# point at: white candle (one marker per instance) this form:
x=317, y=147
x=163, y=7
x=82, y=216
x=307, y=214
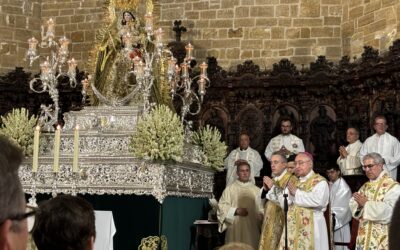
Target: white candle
x=35, y=162
x=75, y=167
x=57, y=139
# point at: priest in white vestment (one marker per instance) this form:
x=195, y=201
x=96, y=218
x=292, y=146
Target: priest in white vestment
x=307, y=200
x=286, y=143
x=340, y=195
x=274, y=219
x=385, y=144
x=243, y=152
x=239, y=209
x=373, y=204
x=349, y=159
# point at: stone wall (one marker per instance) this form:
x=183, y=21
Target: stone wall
x=369, y=22
x=78, y=20
x=264, y=31
x=22, y=19
x=19, y=20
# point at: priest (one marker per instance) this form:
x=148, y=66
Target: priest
x=286, y=142
x=307, y=202
x=273, y=214
x=239, y=209
x=385, y=144
x=340, y=195
x=243, y=152
x=349, y=158
x=373, y=204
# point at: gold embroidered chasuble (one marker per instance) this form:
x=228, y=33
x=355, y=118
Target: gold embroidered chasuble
x=373, y=235
x=274, y=217
x=301, y=220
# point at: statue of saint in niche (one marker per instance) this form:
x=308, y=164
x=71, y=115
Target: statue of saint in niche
x=321, y=130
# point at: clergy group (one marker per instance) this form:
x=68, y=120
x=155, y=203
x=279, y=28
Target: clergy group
x=289, y=210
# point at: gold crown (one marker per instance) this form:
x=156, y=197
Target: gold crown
x=127, y=4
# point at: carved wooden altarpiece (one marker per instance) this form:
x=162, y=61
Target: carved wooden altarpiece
x=322, y=99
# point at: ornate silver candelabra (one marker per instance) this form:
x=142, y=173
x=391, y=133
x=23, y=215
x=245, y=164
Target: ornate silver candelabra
x=183, y=86
x=143, y=63
x=50, y=71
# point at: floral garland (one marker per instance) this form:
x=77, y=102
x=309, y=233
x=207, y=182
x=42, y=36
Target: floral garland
x=214, y=151
x=18, y=127
x=158, y=136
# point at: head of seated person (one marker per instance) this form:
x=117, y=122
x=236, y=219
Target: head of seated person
x=65, y=223
x=13, y=215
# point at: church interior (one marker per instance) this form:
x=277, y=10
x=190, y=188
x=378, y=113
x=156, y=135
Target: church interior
x=81, y=81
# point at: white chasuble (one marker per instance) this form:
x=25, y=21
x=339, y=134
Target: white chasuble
x=291, y=142
x=306, y=222
x=245, y=229
x=376, y=214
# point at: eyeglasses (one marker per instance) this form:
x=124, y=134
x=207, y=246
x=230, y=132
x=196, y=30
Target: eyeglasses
x=369, y=166
x=29, y=211
x=276, y=162
x=300, y=162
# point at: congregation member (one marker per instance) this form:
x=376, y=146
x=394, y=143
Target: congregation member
x=385, y=144
x=349, y=156
x=13, y=213
x=239, y=209
x=63, y=223
x=243, y=152
x=307, y=202
x=373, y=204
x=273, y=214
x=286, y=142
x=340, y=195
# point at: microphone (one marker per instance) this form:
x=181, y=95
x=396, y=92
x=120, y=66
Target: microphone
x=285, y=210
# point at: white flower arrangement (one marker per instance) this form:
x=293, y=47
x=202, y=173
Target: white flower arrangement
x=214, y=151
x=158, y=136
x=19, y=127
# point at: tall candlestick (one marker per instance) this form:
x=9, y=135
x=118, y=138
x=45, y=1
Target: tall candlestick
x=149, y=22
x=57, y=140
x=75, y=167
x=35, y=162
x=189, y=52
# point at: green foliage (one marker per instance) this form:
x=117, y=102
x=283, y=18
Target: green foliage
x=19, y=128
x=209, y=140
x=158, y=136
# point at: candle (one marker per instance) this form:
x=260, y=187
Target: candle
x=158, y=35
x=50, y=29
x=35, y=162
x=185, y=70
x=75, y=167
x=203, y=69
x=149, y=22
x=57, y=139
x=189, y=50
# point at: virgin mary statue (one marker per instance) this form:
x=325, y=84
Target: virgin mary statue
x=111, y=58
